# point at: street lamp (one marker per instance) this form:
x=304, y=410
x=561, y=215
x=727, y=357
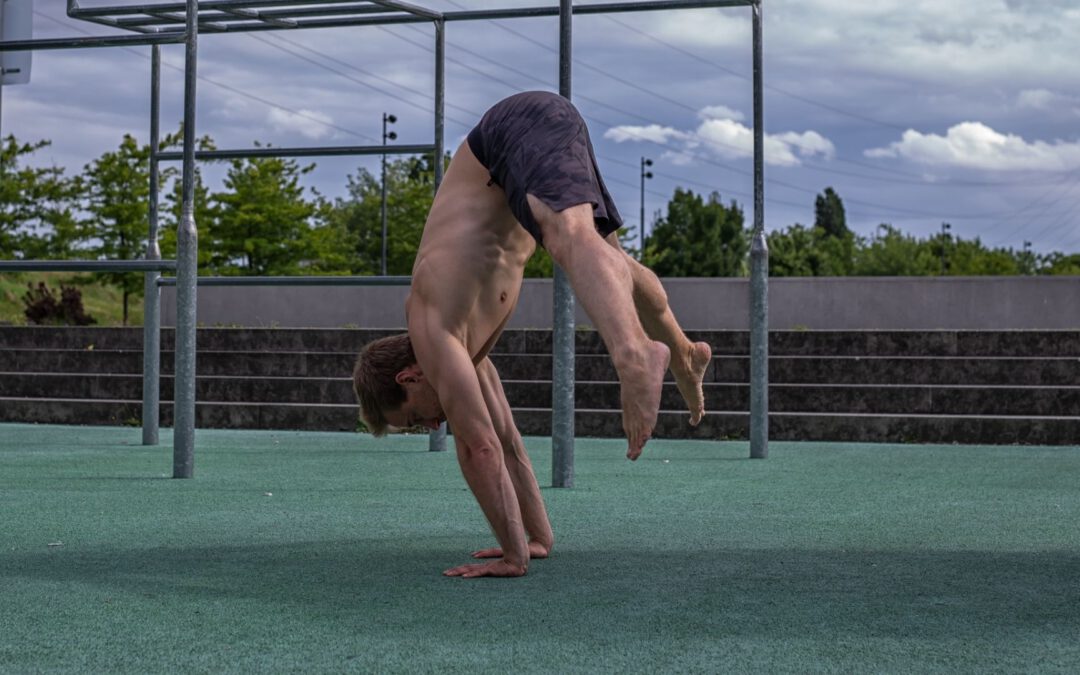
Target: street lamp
x=386, y=119
x=641, y=224
x=945, y=227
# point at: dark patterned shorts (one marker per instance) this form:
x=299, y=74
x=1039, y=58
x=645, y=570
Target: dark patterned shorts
x=536, y=143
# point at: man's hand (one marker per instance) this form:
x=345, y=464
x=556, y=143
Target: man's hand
x=496, y=568
x=536, y=550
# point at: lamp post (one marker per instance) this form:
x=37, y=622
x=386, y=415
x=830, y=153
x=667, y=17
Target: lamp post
x=386, y=119
x=945, y=227
x=641, y=223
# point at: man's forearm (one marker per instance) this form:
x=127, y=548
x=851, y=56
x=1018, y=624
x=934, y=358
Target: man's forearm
x=490, y=483
x=533, y=513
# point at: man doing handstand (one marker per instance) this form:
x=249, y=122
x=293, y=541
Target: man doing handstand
x=526, y=175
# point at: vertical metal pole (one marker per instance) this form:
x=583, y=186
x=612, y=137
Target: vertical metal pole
x=187, y=246
x=641, y=222
x=437, y=437
x=382, y=206
x=759, y=272
x=562, y=376
x=2, y=81
x=151, y=292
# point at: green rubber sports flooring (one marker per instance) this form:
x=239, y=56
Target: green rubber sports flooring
x=314, y=552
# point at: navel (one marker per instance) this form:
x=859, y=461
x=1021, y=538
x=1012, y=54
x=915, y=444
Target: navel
x=502, y=296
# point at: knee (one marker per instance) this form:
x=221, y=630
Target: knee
x=559, y=241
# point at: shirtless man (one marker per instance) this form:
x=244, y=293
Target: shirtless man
x=526, y=175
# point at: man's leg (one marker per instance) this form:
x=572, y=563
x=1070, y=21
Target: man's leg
x=533, y=514
x=603, y=283
x=689, y=360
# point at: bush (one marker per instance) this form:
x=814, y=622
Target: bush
x=43, y=309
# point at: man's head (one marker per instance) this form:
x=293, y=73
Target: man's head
x=391, y=388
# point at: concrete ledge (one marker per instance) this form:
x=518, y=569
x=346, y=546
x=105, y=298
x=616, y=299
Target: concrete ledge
x=819, y=303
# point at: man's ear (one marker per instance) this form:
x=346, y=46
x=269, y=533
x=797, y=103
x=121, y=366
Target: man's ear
x=409, y=375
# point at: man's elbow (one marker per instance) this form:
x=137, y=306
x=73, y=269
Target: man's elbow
x=480, y=456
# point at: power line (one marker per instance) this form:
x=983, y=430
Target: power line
x=226, y=87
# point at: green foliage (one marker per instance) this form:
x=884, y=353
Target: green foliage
x=892, y=253
x=1060, y=264
x=829, y=215
x=356, y=221
x=263, y=219
x=117, y=205
x=37, y=205
x=811, y=252
x=173, y=202
x=42, y=308
x=698, y=238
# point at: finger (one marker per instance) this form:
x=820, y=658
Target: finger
x=488, y=553
x=457, y=571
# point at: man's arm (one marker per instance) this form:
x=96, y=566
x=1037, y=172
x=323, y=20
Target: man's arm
x=446, y=363
x=518, y=466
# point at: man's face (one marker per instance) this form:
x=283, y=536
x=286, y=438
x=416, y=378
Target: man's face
x=421, y=406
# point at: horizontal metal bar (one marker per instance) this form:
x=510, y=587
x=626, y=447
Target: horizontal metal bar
x=387, y=19
x=269, y=15
x=301, y=152
x=599, y=8
x=87, y=265
x=410, y=8
x=87, y=12
x=252, y=14
x=294, y=281
x=103, y=41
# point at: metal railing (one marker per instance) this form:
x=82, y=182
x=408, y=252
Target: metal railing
x=151, y=406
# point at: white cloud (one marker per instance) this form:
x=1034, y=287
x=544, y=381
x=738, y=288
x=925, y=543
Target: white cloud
x=653, y=133
x=1039, y=99
x=720, y=112
x=307, y=123
x=1048, y=101
x=974, y=145
x=723, y=135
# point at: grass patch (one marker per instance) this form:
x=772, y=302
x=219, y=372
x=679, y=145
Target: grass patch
x=104, y=303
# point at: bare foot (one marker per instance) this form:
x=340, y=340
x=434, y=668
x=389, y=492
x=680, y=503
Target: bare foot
x=641, y=398
x=689, y=370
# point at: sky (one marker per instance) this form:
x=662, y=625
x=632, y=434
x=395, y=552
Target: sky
x=916, y=112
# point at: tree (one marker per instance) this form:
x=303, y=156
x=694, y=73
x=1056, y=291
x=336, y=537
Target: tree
x=1061, y=264
x=892, y=253
x=118, y=206
x=170, y=211
x=792, y=252
x=356, y=220
x=263, y=219
x=829, y=215
x=698, y=237
x=37, y=205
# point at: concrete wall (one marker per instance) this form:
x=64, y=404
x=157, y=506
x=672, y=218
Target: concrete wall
x=844, y=303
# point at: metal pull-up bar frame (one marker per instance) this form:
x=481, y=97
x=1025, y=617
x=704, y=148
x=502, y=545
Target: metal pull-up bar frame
x=176, y=22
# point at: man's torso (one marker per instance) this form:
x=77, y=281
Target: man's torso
x=472, y=257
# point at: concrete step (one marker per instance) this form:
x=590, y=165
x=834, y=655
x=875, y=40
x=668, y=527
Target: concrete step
x=1035, y=371
x=790, y=343
x=720, y=425
x=862, y=399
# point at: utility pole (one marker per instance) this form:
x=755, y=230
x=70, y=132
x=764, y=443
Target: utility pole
x=945, y=227
x=386, y=119
x=641, y=226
